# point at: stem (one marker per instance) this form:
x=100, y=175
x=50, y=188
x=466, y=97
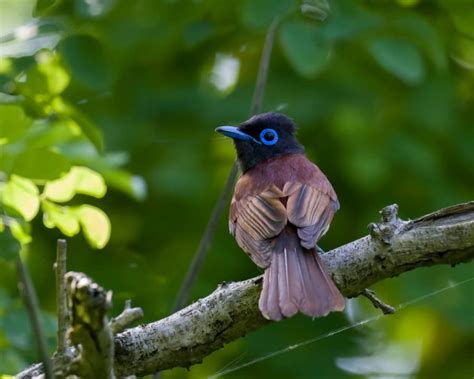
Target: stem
x=29, y=296
x=263, y=67
x=206, y=239
x=61, y=295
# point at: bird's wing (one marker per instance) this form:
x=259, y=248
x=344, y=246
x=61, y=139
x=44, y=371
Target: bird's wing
x=255, y=220
x=310, y=207
x=260, y=210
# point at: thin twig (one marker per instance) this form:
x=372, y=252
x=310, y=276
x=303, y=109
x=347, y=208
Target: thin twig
x=212, y=224
x=206, y=239
x=128, y=316
x=263, y=67
x=61, y=295
x=29, y=295
x=385, y=308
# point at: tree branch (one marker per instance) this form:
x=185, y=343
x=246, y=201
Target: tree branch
x=393, y=247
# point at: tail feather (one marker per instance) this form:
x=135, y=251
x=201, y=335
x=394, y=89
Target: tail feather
x=270, y=295
x=297, y=281
x=289, y=285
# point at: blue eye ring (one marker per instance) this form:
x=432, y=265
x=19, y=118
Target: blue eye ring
x=274, y=137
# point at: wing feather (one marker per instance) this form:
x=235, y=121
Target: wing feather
x=257, y=219
x=277, y=193
x=311, y=211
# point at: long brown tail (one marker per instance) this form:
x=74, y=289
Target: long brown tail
x=297, y=281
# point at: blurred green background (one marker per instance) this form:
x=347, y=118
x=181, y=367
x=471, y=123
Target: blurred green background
x=382, y=91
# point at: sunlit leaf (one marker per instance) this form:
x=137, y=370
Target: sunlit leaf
x=400, y=58
x=61, y=190
x=22, y=195
x=13, y=123
x=20, y=232
x=42, y=6
x=60, y=217
x=40, y=164
x=46, y=77
x=79, y=180
x=95, y=225
x=305, y=50
x=88, y=182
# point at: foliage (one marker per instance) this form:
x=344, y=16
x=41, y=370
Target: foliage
x=91, y=91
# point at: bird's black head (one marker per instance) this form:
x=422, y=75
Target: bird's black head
x=262, y=137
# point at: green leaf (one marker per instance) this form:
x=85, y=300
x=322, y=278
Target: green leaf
x=60, y=217
x=47, y=77
x=132, y=185
x=197, y=33
x=42, y=6
x=306, y=51
x=400, y=58
x=79, y=180
x=9, y=245
x=260, y=14
x=84, y=55
x=19, y=232
x=89, y=129
x=95, y=225
x=22, y=195
x=49, y=133
x=89, y=182
x=426, y=36
x=13, y=123
x=40, y=164
x=76, y=117
x=347, y=20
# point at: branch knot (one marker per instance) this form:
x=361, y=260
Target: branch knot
x=389, y=225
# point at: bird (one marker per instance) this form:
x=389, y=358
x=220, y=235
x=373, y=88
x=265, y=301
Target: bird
x=281, y=206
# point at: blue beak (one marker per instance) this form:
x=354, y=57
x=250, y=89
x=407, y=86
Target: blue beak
x=235, y=133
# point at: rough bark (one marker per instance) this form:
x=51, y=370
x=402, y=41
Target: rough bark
x=90, y=330
x=392, y=247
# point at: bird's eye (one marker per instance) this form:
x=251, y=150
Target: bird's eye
x=269, y=137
